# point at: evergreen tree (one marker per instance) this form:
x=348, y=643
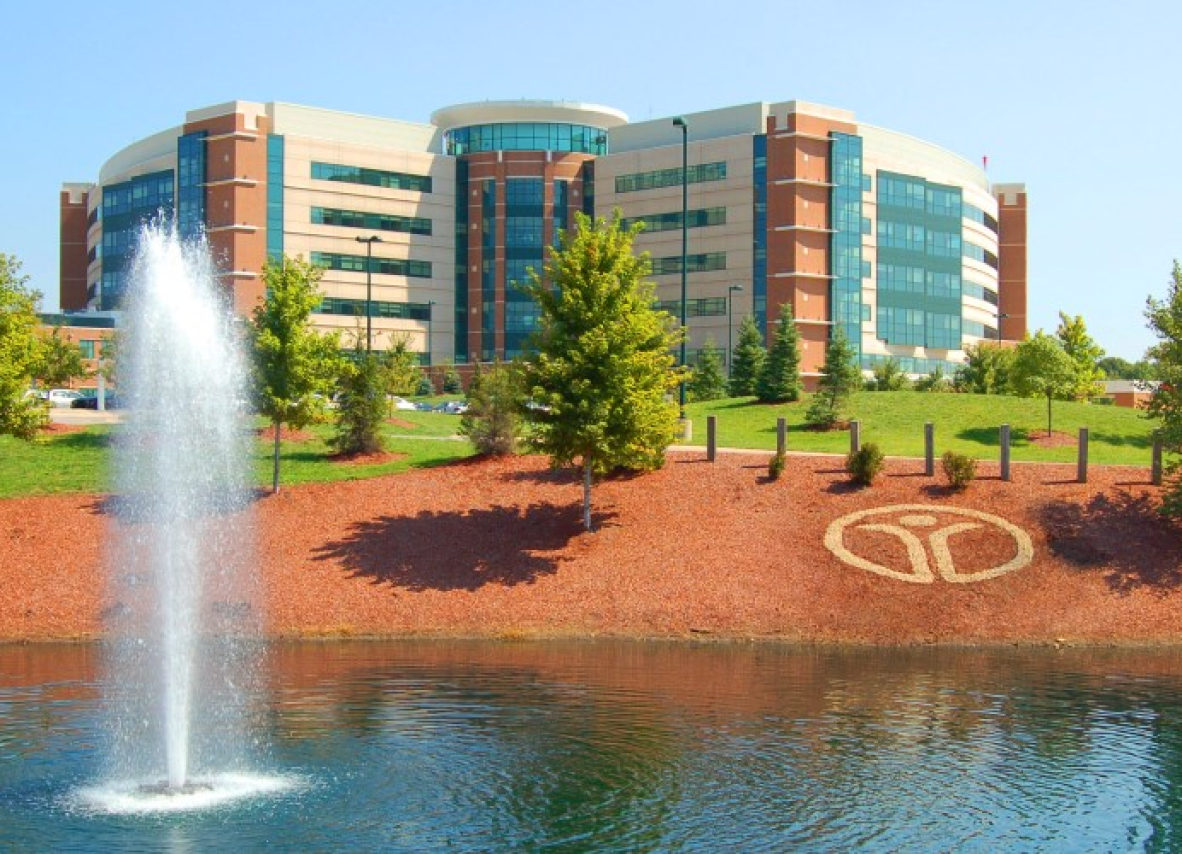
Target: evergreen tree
x=840, y=378
x=1085, y=353
x=20, y=416
x=708, y=382
x=1042, y=368
x=293, y=366
x=601, y=365
x=1165, y=319
x=779, y=377
x=492, y=420
x=361, y=403
x=747, y=358
x=451, y=380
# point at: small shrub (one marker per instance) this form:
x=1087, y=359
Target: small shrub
x=426, y=387
x=958, y=469
x=865, y=464
x=775, y=468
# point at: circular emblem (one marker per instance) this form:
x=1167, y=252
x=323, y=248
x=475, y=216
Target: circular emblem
x=891, y=541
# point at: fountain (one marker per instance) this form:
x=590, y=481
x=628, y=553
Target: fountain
x=184, y=627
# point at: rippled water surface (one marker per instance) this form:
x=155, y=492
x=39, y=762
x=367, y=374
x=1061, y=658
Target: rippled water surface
x=618, y=746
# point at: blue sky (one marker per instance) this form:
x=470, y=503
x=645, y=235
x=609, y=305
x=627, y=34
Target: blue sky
x=1080, y=101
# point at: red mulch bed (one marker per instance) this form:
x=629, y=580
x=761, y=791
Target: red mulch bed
x=286, y=434
x=496, y=548
x=1041, y=439
x=53, y=428
x=365, y=459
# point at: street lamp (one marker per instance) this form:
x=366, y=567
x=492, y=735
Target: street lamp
x=1000, y=317
x=430, y=321
x=369, y=242
x=730, y=326
x=679, y=121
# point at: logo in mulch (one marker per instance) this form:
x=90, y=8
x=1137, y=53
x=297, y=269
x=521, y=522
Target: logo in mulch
x=896, y=541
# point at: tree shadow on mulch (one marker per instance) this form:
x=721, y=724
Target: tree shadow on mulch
x=460, y=550
x=1121, y=535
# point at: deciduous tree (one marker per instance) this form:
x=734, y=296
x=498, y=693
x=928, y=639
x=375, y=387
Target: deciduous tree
x=20, y=416
x=601, y=368
x=986, y=369
x=60, y=361
x=1042, y=368
x=294, y=367
x=1084, y=352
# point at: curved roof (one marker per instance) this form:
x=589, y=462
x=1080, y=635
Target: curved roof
x=501, y=112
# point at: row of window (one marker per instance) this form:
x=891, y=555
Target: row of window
x=912, y=365
x=386, y=266
x=145, y=193
x=699, y=263
x=705, y=307
x=371, y=221
x=977, y=215
x=918, y=238
x=670, y=177
x=972, y=250
x=897, y=325
x=672, y=221
x=981, y=330
x=377, y=308
x=905, y=191
x=371, y=177
x=903, y=278
x=981, y=292
x=526, y=136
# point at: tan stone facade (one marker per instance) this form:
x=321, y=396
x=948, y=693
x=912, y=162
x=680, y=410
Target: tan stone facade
x=418, y=293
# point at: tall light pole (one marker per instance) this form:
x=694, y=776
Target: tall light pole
x=679, y=121
x=730, y=326
x=1000, y=317
x=369, y=242
x=430, y=321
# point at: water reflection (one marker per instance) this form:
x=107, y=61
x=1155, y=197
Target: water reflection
x=620, y=746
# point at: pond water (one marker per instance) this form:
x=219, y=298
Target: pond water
x=636, y=747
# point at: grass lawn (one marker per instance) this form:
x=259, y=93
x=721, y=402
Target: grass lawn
x=965, y=423
x=79, y=462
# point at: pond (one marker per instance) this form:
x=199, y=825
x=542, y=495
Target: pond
x=637, y=747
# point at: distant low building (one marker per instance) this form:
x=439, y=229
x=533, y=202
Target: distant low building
x=90, y=330
x=1133, y=394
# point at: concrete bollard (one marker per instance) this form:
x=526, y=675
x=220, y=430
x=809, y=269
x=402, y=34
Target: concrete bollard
x=1005, y=451
x=855, y=436
x=1155, y=472
x=711, y=437
x=1082, y=465
x=929, y=449
x=781, y=436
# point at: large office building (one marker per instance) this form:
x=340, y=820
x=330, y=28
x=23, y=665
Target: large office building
x=908, y=247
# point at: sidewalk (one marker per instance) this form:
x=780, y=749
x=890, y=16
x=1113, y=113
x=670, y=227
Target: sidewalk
x=82, y=417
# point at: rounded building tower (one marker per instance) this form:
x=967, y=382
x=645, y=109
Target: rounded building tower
x=522, y=169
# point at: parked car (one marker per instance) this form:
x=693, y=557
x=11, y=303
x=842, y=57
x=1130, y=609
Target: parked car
x=111, y=401
x=62, y=397
x=455, y=407
x=403, y=403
